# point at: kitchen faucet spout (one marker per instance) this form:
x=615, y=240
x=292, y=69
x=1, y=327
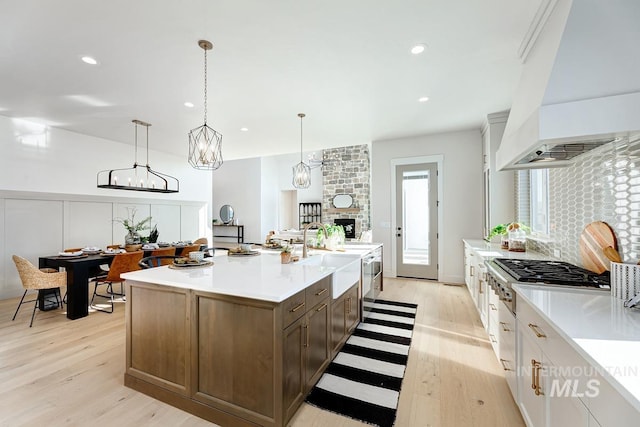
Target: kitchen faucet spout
x=304, y=236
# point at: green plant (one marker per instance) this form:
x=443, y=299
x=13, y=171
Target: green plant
x=502, y=229
x=130, y=222
x=286, y=249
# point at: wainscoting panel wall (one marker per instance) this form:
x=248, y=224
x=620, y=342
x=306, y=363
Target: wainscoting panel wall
x=89, y=223
x=189, y=228
x=38, y=224
x=167, y=219
x=32, y=228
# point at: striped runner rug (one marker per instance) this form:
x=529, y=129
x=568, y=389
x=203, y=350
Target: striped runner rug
x=363, y=381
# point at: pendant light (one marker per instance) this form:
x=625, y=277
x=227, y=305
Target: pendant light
x=205, y=143
x=138, y=177
x=301, y=171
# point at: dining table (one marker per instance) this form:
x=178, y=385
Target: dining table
x=78, y=270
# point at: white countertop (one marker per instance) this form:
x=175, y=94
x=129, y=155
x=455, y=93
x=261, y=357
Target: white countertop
x=492, y=250
x=598, y=327
x=260, y=277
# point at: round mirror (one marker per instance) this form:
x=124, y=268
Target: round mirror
x=342, y=201
x=226, y=214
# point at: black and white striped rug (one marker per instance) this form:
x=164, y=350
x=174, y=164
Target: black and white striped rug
x=363, y=381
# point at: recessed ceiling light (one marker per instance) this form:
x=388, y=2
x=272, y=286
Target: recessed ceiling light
x=188, y=104
x=89, y=60
x=244, y=129
x=418, y=49
x=423, y=99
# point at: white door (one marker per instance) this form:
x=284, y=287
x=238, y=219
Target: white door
x=417, y=221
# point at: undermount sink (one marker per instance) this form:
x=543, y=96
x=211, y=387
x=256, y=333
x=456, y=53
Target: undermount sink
x=346, y=269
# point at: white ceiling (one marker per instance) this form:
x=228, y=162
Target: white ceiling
x=345, y=63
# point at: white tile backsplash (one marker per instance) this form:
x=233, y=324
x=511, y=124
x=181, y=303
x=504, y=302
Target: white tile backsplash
x=601, y=185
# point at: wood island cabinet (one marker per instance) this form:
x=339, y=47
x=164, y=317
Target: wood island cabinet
x=231, y=360
x=344, y=318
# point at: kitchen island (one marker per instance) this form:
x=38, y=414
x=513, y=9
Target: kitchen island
x=240, y=342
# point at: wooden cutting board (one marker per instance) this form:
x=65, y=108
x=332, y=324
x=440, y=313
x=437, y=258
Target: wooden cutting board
x=594, y=238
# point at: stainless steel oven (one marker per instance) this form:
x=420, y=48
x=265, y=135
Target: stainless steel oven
x=371, y=279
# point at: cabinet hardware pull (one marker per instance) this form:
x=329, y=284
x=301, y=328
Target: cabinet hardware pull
x=348, y=305
x=322, y=307
x=504, y=365
x=492, y=338
x=321, y=292
x=504, y=327
x=480, y=291
x=297, y=307
x=493, y=307
x=533, y=374
x=306, y=335
x=536, y=331
x=472, y=271
x=536, y=366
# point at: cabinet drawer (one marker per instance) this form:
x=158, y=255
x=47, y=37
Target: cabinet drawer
x=318, y=291
x=293, y=308
x=568, y=364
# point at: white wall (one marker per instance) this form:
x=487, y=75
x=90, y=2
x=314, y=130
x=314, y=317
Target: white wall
x=237, y=183
x=461, y=205
x=253, y=186
x=58, y=161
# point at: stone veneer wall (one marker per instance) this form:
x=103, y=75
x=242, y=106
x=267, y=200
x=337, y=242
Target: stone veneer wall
x=347, y=170
x=602, y=185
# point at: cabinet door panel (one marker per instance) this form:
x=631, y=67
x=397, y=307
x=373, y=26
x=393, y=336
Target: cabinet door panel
x=338, y=330
x=292, y=369
x=317, y=342
x=532, y=406
x=352, y=310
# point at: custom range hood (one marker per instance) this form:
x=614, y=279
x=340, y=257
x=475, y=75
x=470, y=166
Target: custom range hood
x=580, y=84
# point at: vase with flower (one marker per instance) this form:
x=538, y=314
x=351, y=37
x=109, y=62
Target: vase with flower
x=133, y=228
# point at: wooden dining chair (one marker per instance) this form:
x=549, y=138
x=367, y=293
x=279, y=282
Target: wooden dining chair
x=157, y=261
x=34, y=279
x=201, y=241
x=122, y=263
x=164, y=252
x=190, y=248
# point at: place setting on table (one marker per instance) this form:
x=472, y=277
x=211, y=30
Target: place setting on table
x=245, y=249
x=193, y=260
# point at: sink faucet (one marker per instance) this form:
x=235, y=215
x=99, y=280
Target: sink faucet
x=304, y=236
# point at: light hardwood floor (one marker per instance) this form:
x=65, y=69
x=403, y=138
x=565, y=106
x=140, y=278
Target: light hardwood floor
x=70, y=373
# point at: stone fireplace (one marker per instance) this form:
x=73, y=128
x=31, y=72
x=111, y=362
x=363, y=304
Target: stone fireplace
x=346, y=170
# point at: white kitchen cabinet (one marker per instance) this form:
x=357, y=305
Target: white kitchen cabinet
x=507, y=346
x=482, y=288
x=531, y=400
x=568, y=391
x=493, y=302
x=497, y=197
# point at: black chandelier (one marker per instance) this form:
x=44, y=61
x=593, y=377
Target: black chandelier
x=138, y=177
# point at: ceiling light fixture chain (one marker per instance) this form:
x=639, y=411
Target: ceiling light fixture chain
x=205, y=143
x=205, y=48
x=301, y=171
